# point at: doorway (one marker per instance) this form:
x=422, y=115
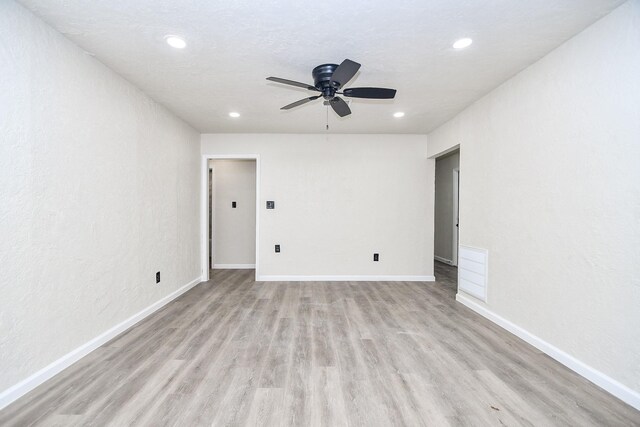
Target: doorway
x=230, y=213
x=446, y=214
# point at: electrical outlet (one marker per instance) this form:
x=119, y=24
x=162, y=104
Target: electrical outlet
x=271, y=204
x=233, y=205
x=277, y=249
x=158, y=277
x=376, y=257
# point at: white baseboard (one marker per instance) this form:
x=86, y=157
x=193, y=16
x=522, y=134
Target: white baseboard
x=619, y=390
x=446, y=261
x=355, y=278
x=233, y=266
x=23, y=387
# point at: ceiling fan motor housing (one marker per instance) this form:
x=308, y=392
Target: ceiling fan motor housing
x=322, y=80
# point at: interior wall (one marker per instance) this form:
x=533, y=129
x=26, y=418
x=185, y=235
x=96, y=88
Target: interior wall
x=551, y=188
x=99, y=189
x=443, y=231
x=234, y=233
x=339, y=199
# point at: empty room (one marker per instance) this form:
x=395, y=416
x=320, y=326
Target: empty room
x=287, y=213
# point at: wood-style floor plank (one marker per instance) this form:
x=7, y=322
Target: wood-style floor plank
x=233, y=351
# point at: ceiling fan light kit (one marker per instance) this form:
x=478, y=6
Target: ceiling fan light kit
x=328, y=79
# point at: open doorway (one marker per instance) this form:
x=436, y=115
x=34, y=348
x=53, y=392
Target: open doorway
x=447, y=184
x=230, y=213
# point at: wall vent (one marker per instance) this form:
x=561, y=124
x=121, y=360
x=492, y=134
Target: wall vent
x=472, y=271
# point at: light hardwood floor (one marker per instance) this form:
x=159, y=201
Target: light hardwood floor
x=237, y=352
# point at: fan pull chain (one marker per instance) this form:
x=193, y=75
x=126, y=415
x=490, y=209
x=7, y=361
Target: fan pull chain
x=327, y=118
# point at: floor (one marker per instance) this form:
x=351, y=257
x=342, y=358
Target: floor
x=237, y=352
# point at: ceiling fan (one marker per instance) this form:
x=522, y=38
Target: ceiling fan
x=329, y=79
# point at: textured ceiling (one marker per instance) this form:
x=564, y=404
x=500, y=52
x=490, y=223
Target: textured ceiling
x=233, y=45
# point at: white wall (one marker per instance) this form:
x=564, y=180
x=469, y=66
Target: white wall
x=339, y=199
x=234, y=233
x=99, y=190
x=443, y=232
x=551, y=187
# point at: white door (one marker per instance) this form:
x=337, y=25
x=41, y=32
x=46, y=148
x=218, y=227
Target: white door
x=456, y=216
x=212, y=217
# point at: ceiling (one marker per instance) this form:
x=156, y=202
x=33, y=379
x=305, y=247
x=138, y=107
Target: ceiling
x=232, y=46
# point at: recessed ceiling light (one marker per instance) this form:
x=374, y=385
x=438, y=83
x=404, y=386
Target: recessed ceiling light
x=175, y=41
x=462, y=43
x=398, y=114
x=234, y=114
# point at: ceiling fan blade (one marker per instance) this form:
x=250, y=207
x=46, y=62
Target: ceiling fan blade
x=340, y=107
x=344, y=73
x=292, y=83
x=370, y=92
x=301, y=102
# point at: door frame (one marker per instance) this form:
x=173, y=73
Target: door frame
x=204, y=208
x=456, y=216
